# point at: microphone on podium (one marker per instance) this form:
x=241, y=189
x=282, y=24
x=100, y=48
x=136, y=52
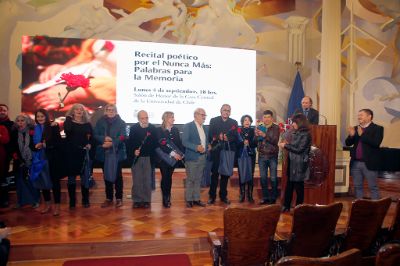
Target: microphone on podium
x=325, y=119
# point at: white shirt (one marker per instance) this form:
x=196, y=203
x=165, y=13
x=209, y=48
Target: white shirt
x=202, y=134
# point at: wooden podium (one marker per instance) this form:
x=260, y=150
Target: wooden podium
x=318, y=190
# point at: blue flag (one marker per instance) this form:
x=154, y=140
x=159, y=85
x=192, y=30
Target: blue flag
x=296, y=96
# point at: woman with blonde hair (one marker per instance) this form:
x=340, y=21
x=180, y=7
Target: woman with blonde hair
x=79, y=135
x=170, y=144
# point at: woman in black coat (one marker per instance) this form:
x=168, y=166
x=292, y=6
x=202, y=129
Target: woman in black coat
x=169, y=143
x=298, y=161
x=79, y=135
x=247, y=143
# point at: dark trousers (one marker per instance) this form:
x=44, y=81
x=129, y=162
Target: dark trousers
x=223, y=193
x=118, y=185
x=56, y=191
x=4, y=251
x=166, y=179
x=290, y=186
x=3, y=175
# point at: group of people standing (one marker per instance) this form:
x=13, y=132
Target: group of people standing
x=41, y=156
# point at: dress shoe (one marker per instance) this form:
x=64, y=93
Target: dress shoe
x=167, y=204
x=284, y=209
x=146, y=205
x=118, y=203
x=56, y=209
x=189, y=204
x=199, y=203
x=46, y=208
x=211, y=201
x=106, y=203
x=137, y=205
x=226, y=201
x=264, y=202
x=86, y=205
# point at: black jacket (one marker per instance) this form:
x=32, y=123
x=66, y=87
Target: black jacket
x=313, y=115
x=299, y=149
x=371, y=139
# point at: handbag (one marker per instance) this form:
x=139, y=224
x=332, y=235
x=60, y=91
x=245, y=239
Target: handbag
x=226, y=161
x=110, y=165
x=206, y=178
x=245, y=166
x=86, y=172
x=165, y=157
x=171, y=161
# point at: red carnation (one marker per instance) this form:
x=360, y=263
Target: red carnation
x=239, y=130
x=31, y=132
x=163, y=142
x=121, y=138
x=288, y=127
x=15, y=156
x=108, y=46
x=75, y=81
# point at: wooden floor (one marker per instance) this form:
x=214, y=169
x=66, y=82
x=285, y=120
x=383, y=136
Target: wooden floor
x=46, y=240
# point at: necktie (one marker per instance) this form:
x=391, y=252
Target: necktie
x=306, y=113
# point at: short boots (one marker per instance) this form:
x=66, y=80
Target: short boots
x=242, y=193
x=85, y=197
x=250, y=193
x=166, y=198
x=72, y=195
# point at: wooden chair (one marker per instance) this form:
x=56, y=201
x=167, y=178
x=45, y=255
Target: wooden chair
x=388, y=255
x=365, y=221
x=350, y=257
x=248, y=235
x=395, y=227
x=313, y=229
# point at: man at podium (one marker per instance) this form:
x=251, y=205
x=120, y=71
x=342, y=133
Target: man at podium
x=307, y=110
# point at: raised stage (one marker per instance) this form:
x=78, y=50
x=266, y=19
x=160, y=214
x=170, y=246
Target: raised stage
x=41, y=239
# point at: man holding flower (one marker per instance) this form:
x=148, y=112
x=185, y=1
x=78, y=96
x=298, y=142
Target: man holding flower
x=222, y=136
x=141, y=149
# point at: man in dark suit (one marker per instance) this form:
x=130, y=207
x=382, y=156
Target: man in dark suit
x=306, y=109
x=194, y=139
x=223, y=134
x=365, y=140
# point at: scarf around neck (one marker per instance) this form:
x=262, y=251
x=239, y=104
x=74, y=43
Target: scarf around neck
x=23, y=145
